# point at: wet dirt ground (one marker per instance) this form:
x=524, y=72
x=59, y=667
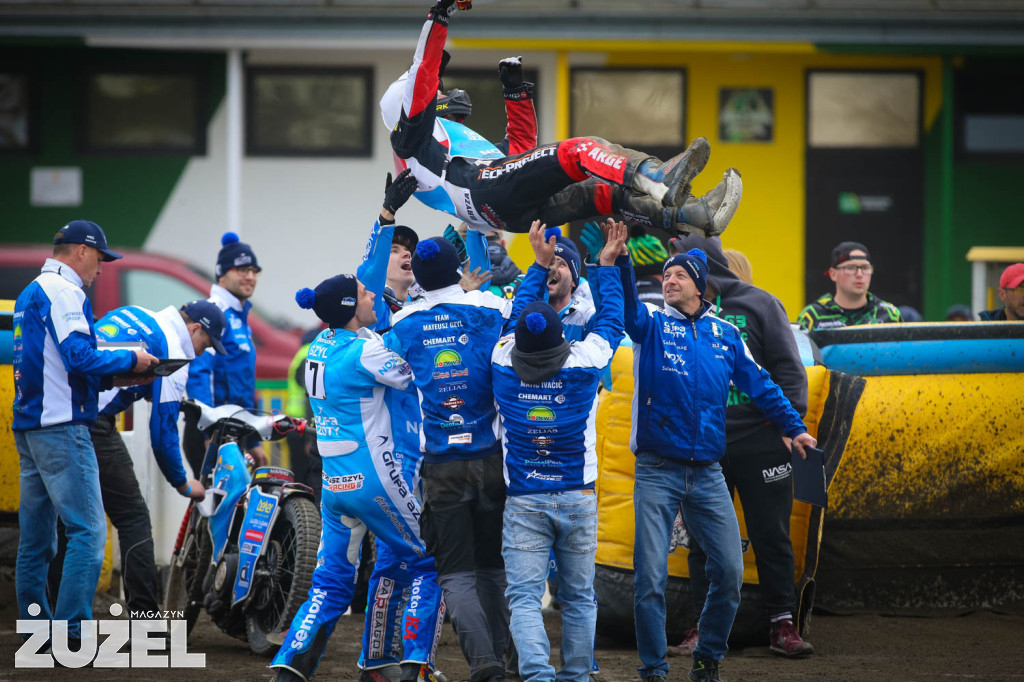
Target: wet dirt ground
x=978, y=645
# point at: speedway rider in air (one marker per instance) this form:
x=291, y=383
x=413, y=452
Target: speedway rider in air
x=463, y=174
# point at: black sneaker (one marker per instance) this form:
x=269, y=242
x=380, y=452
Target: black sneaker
x=681, y=169
x=704, y=671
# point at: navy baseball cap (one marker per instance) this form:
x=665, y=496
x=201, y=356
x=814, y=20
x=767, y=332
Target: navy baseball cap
x=210, y=318
x=88, y=233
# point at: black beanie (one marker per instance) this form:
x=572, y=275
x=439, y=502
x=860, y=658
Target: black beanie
x=538, y=328
x=436, y=264
x=695, y=263
x=234, y=254
x=333, y=300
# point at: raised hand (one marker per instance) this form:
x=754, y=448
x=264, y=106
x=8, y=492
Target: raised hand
x=616, y=234
x=397, y=192
x=510, y=71
x=544, y=249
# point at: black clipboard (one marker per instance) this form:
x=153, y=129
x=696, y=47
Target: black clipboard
x=809, y=478
x=166, y=367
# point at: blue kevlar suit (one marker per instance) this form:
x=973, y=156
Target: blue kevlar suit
x=348, y=378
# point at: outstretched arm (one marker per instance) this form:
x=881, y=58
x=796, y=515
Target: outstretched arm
x=521, y=130
x=421, y=86
x=373, y=271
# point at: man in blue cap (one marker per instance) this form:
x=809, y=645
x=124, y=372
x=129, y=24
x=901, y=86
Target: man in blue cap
x=229, y=378
x=58, y=373
x=170, y=333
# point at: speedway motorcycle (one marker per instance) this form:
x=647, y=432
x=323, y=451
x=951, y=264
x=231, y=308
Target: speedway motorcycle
x=245, y=553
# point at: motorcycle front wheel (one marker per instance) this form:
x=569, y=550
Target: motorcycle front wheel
x=290, y=560
x=189, y=565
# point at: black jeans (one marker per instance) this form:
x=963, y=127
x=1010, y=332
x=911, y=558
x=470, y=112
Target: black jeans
x=461, y=527
x=758, y=468
x=123, y=503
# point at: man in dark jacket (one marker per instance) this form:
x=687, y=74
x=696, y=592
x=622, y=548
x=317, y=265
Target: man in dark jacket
x=756, y=461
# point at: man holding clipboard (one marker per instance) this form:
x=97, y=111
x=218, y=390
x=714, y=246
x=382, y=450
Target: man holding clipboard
x=173, y=335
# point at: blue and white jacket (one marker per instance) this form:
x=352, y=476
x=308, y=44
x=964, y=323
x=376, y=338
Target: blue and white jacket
x=373, y=273
x=682, y=369
x=348, y=376
x=576, y=318
x=549, y=437
x=57, y=368
x=227, y=379
x=165, y=336
x=448, y=338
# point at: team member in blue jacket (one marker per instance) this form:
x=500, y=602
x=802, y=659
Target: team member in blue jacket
x=447, y=338
x=168, y=333
x=349, y=372
x=684, y=361
x=57, y=374
x=230, y=379
x=385, y=269
x=546, y=390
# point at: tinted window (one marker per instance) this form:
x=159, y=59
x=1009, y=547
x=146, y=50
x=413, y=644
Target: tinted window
x=155, y=290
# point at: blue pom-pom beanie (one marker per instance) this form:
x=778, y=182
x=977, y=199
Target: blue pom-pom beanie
x=234, y=254
x=695, y=263
x=538, y=328
x=436, y=264
x=334, y=300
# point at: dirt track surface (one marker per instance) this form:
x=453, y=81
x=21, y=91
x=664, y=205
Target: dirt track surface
x=982, y=645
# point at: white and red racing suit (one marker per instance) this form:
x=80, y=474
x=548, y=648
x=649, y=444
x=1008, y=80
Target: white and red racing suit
x=461, y=173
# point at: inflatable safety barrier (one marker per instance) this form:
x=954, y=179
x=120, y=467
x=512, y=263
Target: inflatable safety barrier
x=832, y=400
x=927, y=510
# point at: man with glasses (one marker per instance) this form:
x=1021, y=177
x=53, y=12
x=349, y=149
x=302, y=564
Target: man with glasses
x=852, y=303
x=1011, y=293
x=229, y=379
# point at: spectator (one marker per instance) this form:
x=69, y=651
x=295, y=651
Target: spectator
x=506, y=277
x=740, y=265
x=170, y=333
x=447, y=338
x=754, y=446
x=229, y=379
x=909, y=313
x=852, y=303
x=349, y=375
x=57, y=374
x=678, y=439
x=546, y=390
x=648, y=255
x=1011, y=293
x=461, y=173
x=959, y=313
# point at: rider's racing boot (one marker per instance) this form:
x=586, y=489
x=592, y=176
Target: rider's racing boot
x=668, y=181
x=710, y=214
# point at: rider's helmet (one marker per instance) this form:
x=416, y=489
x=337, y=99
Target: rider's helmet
x=454, y=106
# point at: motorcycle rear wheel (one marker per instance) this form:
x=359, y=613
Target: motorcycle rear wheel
x=184, y=592
x=290, y=559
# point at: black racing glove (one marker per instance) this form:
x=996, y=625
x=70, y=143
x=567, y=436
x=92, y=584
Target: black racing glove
x=397, y=192
x=510, y=71
x=442, y=10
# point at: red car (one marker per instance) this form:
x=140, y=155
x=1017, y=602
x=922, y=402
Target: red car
x=154, y=282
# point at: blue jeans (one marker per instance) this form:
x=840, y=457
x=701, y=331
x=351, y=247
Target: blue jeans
x=59, y=476
x=662, y=487
x=533, y=526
